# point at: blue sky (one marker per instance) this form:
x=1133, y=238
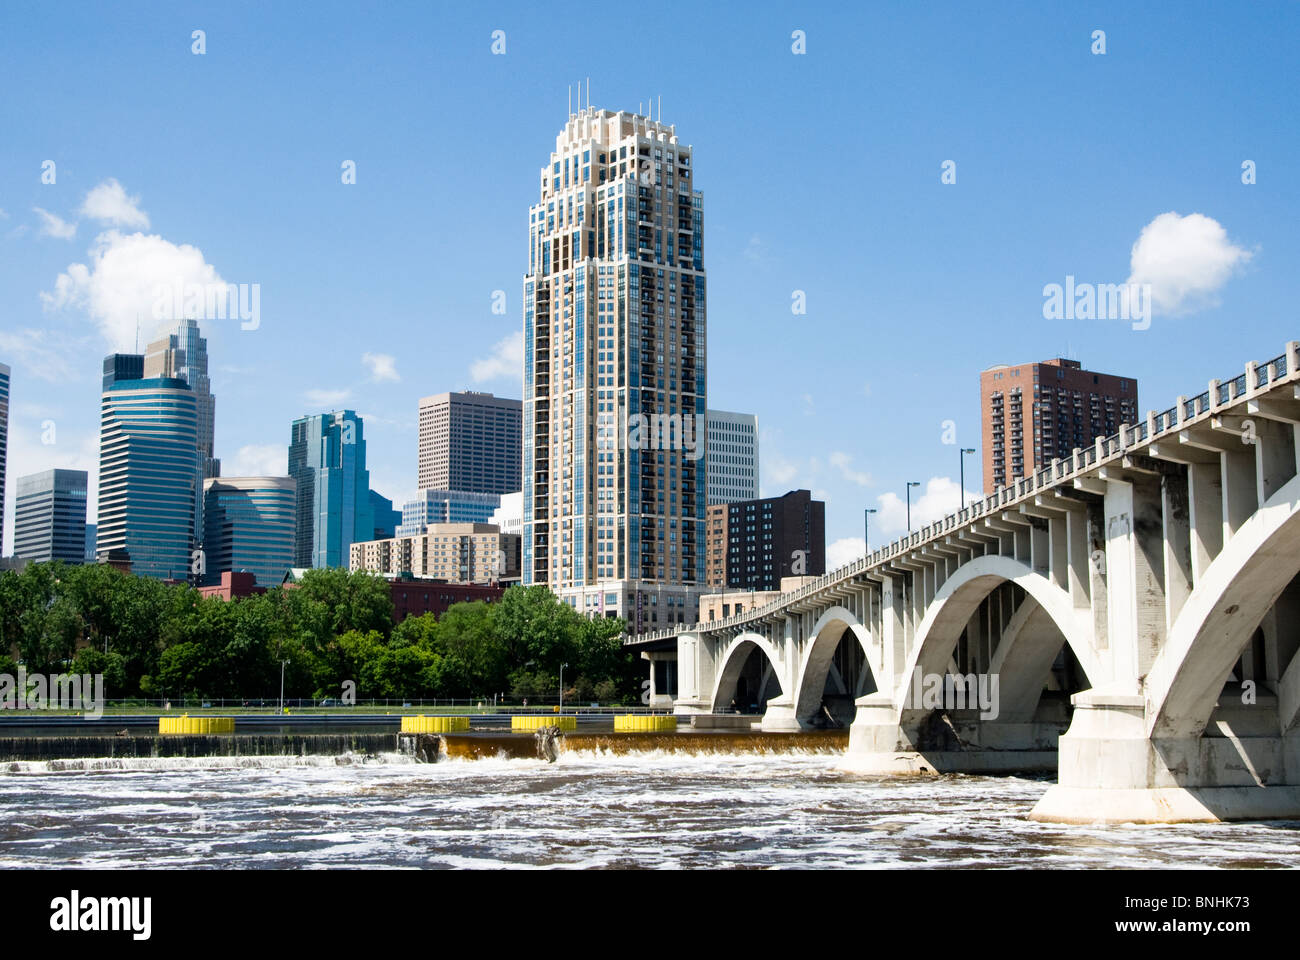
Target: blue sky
x=821, y=172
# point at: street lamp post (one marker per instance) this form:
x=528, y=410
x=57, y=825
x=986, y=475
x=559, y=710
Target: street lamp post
x=910, y=485
x=866, y=526
x=562, y=666
x=964, y=451
x=282, y=665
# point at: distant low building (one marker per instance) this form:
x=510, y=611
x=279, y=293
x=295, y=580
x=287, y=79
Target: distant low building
x=233, y=585
x=454, y=552
x=414, y=598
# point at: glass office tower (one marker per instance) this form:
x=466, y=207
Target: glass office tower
x=327, y=459
x=149, y=469
x=249, y=525
x=50, y=516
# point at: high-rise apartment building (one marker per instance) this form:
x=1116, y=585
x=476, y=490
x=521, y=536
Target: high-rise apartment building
x=614, y=372
x=149, y=475
x=4, y=447
x=183, y=354
x=469, y=442
x=753, y=544
x=50, y=516
x=732, y=457
x=1034, y=413
x=327, y=459
x=249, y=526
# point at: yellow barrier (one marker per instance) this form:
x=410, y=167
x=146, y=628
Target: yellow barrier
x=533, y=723
x=644, y=723
x=434, y=724
x=193, y=726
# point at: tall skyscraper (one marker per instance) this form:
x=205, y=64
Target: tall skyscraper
x=469, y=442
x=733, y=457
x=1034, y=413
x=149, y=475
x=50, y=516
x=754, y=543
x=249, y=525
x=614, y=372
x=183, y=354
x=4, y=447
x=327, y=459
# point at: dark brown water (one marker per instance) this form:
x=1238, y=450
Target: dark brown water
x=593, y=808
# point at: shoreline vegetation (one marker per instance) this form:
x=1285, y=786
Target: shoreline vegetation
x=333, y=635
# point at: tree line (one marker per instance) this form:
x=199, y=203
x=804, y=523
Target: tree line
x=160, y=641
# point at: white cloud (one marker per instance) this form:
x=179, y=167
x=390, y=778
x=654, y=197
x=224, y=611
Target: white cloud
x=843, y=551
x=1186, y=260
x=382, y=366
x=756, y=249
x=809, y=405
x=506, y=361
x=841, y=461
x=258, y=460
x=122, y=283
x=55, y=226
x=941, y=496
x=109, y=203
x=326, y=398
x=778, y=472
x=3, y=215
x=42, y=354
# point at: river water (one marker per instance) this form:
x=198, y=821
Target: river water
x=589, y=809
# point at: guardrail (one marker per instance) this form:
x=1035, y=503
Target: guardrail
x=1256, y=377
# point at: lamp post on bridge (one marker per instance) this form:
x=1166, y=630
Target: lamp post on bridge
x=964, y=451
x=910, y=485
x=866, y=530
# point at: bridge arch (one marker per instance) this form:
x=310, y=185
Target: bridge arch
x=827, y=633
x=1221, y=615
x=733, y=662
x=1047, y=619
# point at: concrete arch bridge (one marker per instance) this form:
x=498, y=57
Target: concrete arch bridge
x=1129, y=616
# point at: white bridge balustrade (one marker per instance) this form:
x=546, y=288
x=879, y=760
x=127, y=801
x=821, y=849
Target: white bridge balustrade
x=1135, y=607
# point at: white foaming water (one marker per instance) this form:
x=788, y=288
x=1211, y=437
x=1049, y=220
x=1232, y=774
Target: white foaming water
x=589, y=809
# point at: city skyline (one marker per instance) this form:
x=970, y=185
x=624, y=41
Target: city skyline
x=975, y=294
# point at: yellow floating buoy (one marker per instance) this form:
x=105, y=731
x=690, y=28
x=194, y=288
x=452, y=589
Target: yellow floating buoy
x=533, y=723
x=434, y=724
x=195, y=726
x=645, y=723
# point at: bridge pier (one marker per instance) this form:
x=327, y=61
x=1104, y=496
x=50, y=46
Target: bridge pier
x=885, y=741
x=1111, y=771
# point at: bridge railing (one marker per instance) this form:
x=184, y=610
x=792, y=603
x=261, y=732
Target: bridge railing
x=1177, y=417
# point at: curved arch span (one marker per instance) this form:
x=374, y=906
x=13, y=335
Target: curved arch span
x=827, y=633
x=733, y=662
x=1219, y=618
x=959, y=598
